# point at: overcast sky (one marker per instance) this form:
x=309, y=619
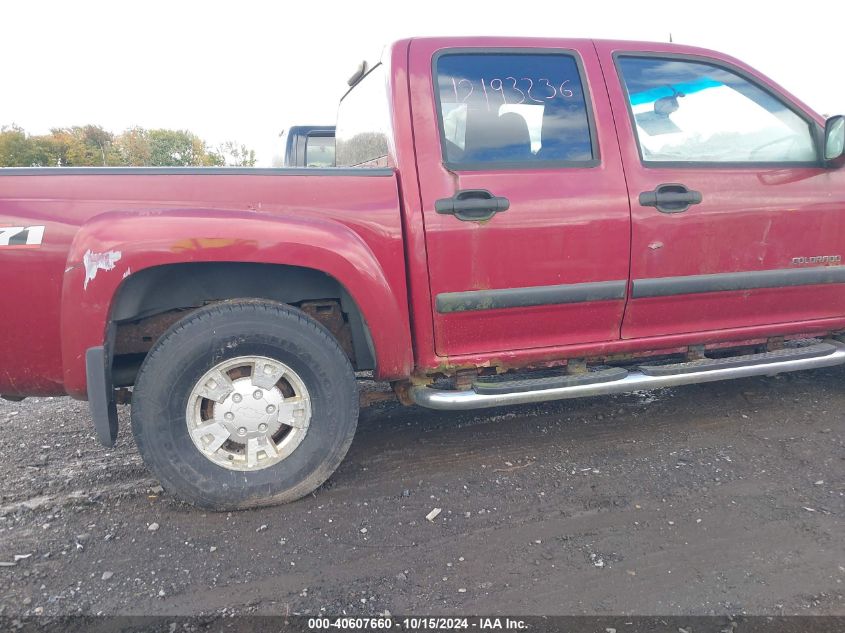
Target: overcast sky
x=245, y=70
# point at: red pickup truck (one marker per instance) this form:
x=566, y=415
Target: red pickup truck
x=511, y=220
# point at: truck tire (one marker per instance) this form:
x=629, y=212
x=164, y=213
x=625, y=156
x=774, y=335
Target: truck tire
x=243, y=404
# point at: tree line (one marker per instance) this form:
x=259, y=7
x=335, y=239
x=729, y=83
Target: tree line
x=92, y=146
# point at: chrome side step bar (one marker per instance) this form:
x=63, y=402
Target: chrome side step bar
x=635, y=381
x=489, y=387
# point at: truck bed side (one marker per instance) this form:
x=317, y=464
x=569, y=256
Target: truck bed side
x=102, y=226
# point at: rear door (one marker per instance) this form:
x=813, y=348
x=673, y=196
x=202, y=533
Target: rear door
x=524, y=200
x=735, y=221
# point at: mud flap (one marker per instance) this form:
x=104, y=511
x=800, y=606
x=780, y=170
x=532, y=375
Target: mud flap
x=101, y=396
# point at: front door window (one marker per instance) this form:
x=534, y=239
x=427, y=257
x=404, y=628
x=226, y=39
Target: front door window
x=694, y=112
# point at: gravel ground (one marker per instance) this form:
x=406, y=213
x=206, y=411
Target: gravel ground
x=725, y=498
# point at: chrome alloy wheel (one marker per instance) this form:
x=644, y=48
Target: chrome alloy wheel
x=248, y=413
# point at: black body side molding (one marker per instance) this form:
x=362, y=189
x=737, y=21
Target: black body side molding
x=747, y=280
x=471, y=300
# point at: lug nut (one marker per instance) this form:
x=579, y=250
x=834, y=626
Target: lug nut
x=262, y=427
x=270, y=408
x=229, y=415
x=258, y=394
x=237, y=397
x=242, y=430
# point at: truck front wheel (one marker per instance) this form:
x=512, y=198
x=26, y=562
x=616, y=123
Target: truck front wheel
x=243, y=404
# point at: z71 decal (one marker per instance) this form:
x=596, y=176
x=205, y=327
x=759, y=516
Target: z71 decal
x=21, y=236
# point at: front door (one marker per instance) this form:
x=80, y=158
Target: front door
x=524, y=200
x=735, y=221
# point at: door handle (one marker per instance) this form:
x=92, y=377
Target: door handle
x=472, y=205
x=670, y=198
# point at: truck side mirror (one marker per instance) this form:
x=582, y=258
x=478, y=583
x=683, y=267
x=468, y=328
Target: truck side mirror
x=834, y=137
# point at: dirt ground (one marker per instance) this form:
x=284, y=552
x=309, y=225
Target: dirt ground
x=725, y=498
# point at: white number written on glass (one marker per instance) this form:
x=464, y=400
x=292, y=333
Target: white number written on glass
x=509, y=90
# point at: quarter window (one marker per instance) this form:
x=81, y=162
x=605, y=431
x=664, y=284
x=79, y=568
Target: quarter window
x=512, y=109
x=687, y=111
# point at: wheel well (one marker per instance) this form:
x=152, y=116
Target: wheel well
x=151, y=300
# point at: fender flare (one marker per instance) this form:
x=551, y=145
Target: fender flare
x=112, y=246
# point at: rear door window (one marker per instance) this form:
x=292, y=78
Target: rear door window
x=511, y=109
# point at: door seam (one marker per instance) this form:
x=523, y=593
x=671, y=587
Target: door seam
x=630, y=284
